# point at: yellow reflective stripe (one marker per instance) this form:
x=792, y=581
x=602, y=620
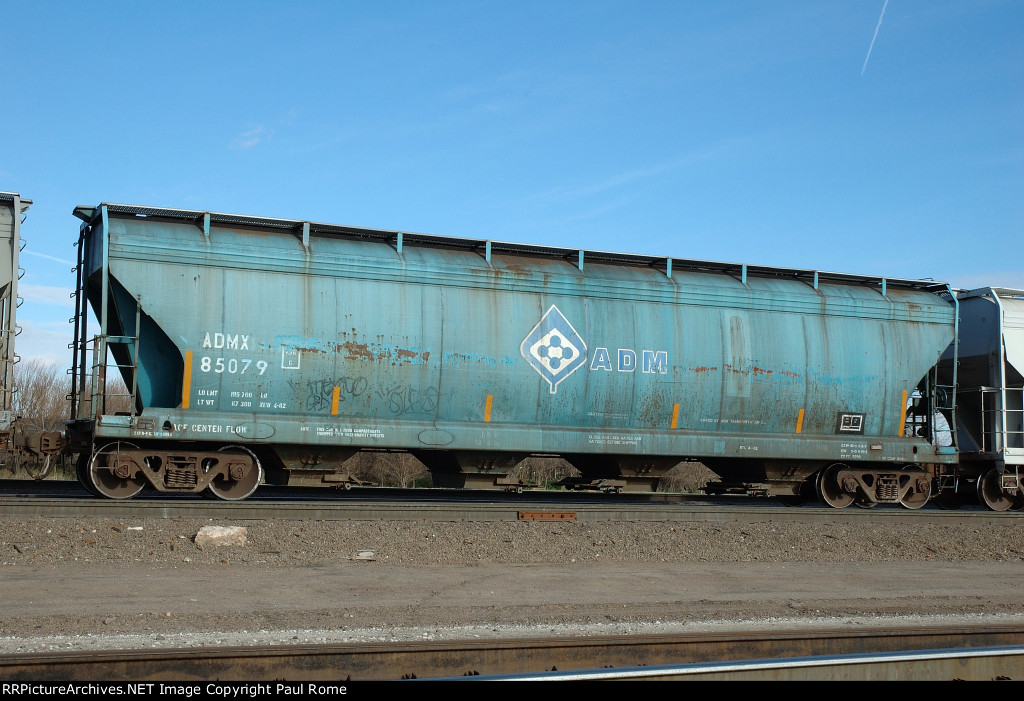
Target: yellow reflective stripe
x=186, y=384
x=487, y=408
x=675, y=416
x=903, y=414
x=334, y=401
x=800, y=421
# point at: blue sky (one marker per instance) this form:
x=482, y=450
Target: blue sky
x=793, y=133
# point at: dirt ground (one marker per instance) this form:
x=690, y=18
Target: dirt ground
x=102, y=584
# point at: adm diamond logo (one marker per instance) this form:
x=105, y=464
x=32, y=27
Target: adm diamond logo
x=553, y=348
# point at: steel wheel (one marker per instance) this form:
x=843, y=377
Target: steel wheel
x=829, y=490
x=236, y=490
x=115, y=476
x=991, y=494
x=919, y=492
x=82, y=472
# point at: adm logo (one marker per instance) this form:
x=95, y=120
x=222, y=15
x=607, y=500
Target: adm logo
x=553, y=348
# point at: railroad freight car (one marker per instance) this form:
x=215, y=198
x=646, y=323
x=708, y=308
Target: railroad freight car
x=987, y=368
x=22, y=444
x=259, y=349
x=12, y=212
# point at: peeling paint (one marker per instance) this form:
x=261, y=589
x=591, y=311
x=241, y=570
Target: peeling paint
x=378, y=352
x=356, y=351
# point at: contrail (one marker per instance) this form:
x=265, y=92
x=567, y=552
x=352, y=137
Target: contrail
x=879, y=26
x=43, y=255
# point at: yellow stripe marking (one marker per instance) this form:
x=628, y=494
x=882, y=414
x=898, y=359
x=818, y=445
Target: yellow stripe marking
x=487, y=408
x=186, y=384
x=800, y=421
x=675, y=416
x=334, y=401
x=903, y=414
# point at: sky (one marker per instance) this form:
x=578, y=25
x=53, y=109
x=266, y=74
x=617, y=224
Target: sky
x=875, y=137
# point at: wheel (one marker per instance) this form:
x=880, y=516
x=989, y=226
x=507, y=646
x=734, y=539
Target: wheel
x=112, y=475
x=919, y=492
x=829, y=490
x=82, y=472
x=236, y=490
x=1018, y=503
x=991, y=494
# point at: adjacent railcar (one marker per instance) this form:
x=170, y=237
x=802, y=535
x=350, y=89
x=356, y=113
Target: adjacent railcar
x=21, y=442
x=273, y=349
x=12, y=210
x=987, y=367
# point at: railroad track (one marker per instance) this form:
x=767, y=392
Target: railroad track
x=67, y=499
x=972, y=664
x=969, y=653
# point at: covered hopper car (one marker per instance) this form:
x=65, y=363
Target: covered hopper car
x=987, y=368
x=21, y=442
x=272, y=350
x=265, y=349
x=12, y=212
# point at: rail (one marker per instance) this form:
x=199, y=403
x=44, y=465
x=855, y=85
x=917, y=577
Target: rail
x=758, y=655
x=984, y=664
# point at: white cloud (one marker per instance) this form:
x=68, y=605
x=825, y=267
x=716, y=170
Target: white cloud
x=1008, y=278
x=47, y=342
x=250, y=138
x=628, y=177
x=46, y=294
